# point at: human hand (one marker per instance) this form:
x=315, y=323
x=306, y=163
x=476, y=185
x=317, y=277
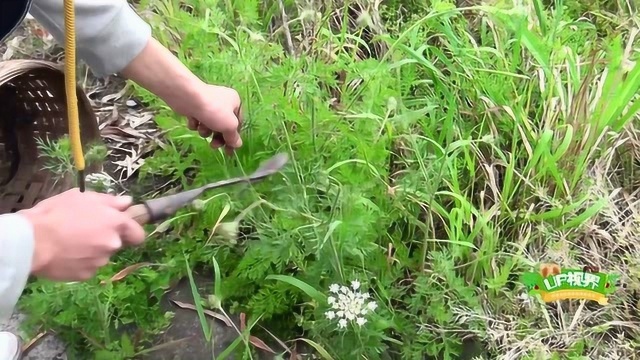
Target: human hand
x=216, y=111
x=76, y=233
x=209, y=109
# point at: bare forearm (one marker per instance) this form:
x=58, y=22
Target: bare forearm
x=159, y=71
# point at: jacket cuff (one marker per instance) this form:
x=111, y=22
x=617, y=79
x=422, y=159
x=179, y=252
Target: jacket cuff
x=16, y=254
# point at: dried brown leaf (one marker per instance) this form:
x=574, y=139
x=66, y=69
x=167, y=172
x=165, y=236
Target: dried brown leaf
x=255, y=341
x=137, y=120
x=132, y=132
x=108, y=133
x=260, y=344
x=27, y=346
x=113, y=97
x=11, y=46
x=125, y=272
x=213, y=314
x=294, y=353
x=280, y=342
x=243, y=323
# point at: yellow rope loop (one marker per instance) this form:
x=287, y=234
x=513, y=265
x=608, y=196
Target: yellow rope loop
x=70, y=89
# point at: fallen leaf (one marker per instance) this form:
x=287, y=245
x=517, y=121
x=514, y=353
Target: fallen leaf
x=243, y=324
x=294, y=353
x=260, y=344
x=125, y=272
x=252, y=339
x=11, y=46
x=130, y=164
x=110, y=119
x=213, y=314
x=132, y=132
x=137, y=120
x=112, y=97
x=280, y=342
x=27, y=346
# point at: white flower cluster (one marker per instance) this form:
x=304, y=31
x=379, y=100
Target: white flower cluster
x=349, y=304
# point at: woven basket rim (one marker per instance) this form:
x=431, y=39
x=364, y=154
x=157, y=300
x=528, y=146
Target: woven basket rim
x=35, y=104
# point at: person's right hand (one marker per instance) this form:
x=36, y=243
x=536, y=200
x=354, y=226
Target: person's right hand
x=76, y=233
x=217, y=111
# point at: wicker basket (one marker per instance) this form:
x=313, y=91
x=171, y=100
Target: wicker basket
x=32, y=106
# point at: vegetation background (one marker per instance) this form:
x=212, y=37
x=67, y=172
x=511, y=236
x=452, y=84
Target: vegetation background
x=438, y=151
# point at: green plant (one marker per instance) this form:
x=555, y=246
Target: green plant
x=59, y=159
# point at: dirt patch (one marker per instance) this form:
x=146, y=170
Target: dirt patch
x=185, y=338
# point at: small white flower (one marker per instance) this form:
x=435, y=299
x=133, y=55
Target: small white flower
x=330, y=315
x=349, y=304
x=355, y=284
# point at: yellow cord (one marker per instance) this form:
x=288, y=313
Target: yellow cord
x=70, y=88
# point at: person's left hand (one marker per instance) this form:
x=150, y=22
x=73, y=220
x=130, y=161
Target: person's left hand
x=216, y=111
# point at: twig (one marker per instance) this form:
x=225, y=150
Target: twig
x=574, y=322
x=285, y=26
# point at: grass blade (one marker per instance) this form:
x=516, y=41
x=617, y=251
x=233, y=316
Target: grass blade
x=301, y=285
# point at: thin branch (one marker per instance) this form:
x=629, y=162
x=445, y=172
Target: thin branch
x=285, y=26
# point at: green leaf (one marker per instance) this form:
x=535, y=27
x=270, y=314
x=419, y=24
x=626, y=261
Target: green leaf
x=126, y=345
x=590, y=212
x=324, y=353
x=306, y=288
x=198, y=304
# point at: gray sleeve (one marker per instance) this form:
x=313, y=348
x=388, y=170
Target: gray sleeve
x=109, y=33
x=16, y=254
